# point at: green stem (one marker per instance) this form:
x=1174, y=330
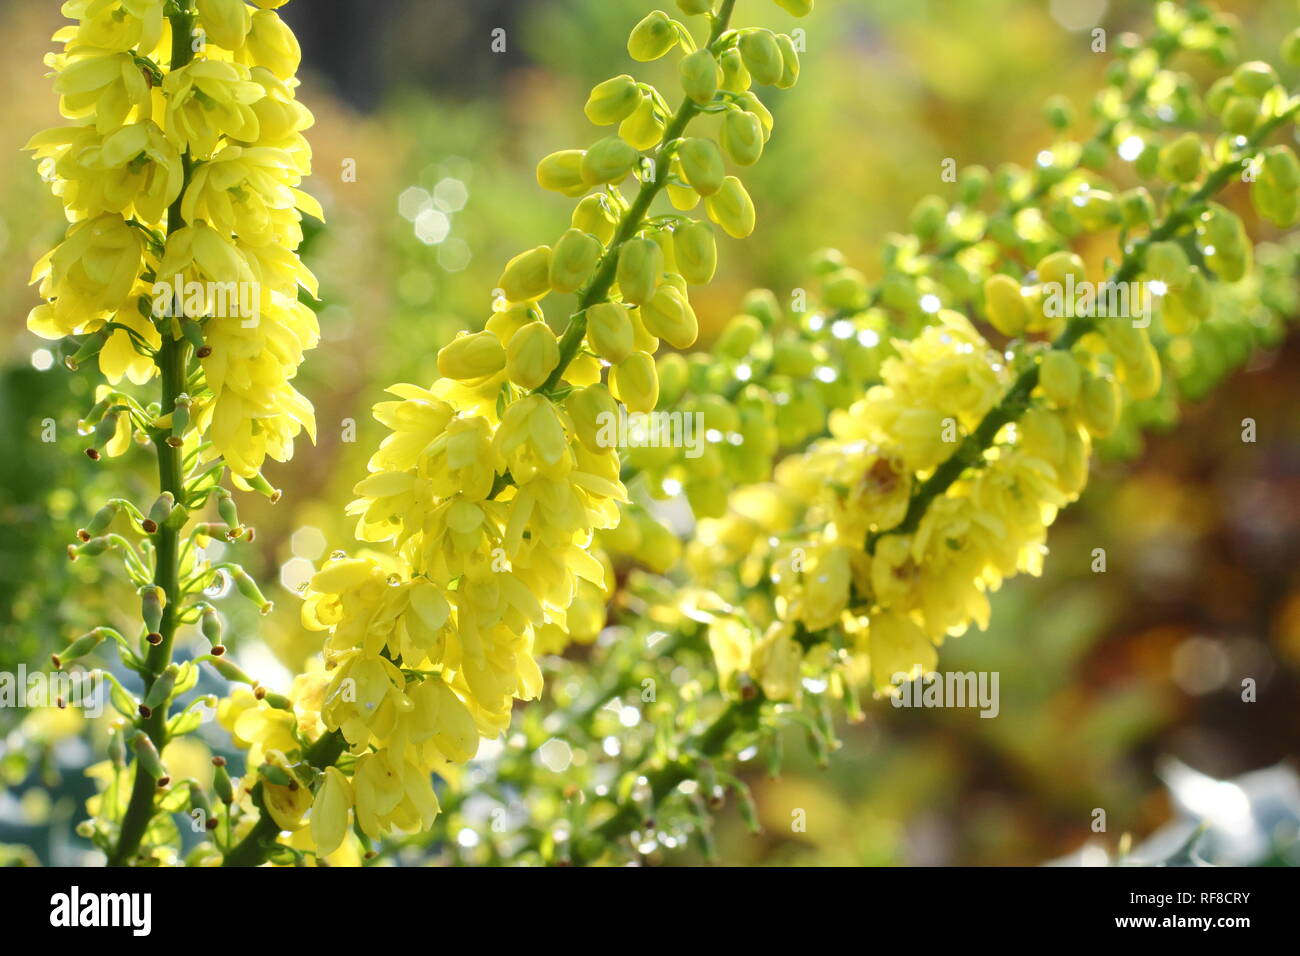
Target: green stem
x=172, y=359
x=597, y=288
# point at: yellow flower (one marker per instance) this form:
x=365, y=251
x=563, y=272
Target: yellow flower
x=899, y=651
x=117, y=25
x=208, y=99
x=226, y=22
x=107, y=87
x=133, y=170
x=90, y=273
x=271, y=44
x=330, y=811
x=252, y=192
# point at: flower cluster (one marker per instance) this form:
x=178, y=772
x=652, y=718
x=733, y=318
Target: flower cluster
x=1002, y=363
x=181, y=186
x=492, y=483
x=179, y=172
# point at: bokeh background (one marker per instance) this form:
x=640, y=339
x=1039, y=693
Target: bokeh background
x=1117, y=690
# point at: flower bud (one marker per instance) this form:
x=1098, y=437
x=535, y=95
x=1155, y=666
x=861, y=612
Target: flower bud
x=117, y=749
x=79, y=648
x=1184, y=307
x=762, y=56
x=738, y=336
x=91, y=346
x=210, y=624
x=673, y=375
x=1240, y=114
x=147, y=757
x=640, y=267
x=1060, y=267
x=1254, y=78
x=642, y=341
x=693, y=7
x=527, y=275
x=608, y=161
x=1276, y=191
x=669, y=316
x=246, y=586
x=160, y=512
x=152, y=601
x=609, y=331
x=1142, y=373
x=594, y=215
x=228, y=669
x=735, y=78
x=696, y=252
x=1291, y=48
x=731, y=208
x=471, y=356
x=221, y=783
x=793, y=357
x=1004, y=306
x=590, y=408
x=742, y=137
x=505, y=323
x=105, y=432
x=789, y=62
x=634, y=383
x=1041, y=434
x=561, y=172
x=1223, y=241
x=1137, y=207
x=702, y=165
x=613, y=100
x=1099, y=405
x=1180, y=161
x=796, y=8
x=226, y=22
x=271, y=44
x=160, y=691
x=573, y=259
x=644, y=127
x=229, y=513
x=683, y=197
x=199, y=802
x=654, y=36
x=1167, y=263
x=762, y=305
x=700, y=76
x=928, y=217
x=532, y=355
x=1059, y=376
x=845, y=290
x=101, y=521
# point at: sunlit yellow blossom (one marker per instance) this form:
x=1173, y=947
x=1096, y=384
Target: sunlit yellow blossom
x=208, y=99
